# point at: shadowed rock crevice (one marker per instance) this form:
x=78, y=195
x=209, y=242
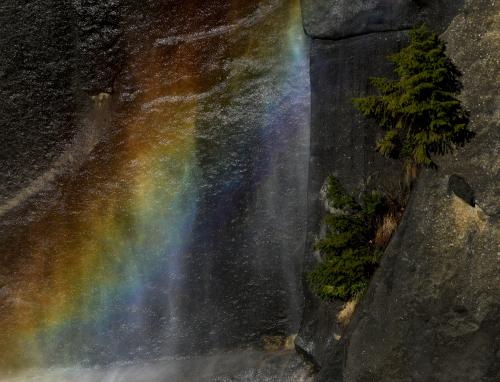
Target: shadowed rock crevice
x=459, y=187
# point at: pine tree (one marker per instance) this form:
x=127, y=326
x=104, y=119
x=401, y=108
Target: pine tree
x=348, y=252
x=419, y=110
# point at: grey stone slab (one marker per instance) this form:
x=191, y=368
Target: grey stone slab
x=342, y=141
x=337, y=19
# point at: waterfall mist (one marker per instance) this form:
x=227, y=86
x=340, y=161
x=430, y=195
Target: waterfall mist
x=180, y=231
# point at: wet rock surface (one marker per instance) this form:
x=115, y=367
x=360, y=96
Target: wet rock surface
x=153, y=178
x=55, y=56
x=431, y=313
x=238, y=366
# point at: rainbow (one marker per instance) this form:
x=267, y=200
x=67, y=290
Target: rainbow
x=125, y=218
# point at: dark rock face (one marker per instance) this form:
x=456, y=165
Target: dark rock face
x=319, y=335
x=431, y=313
x=432, y=310
x=55, y=56
x=337, y=19
x=342, y=143
x=208, y=101
x=35, y=88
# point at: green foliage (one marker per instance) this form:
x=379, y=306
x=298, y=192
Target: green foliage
x=337, y=195
x=348, y=257
x=345, y=274
x=343, y=231
x=374, y=205
x=419, y=110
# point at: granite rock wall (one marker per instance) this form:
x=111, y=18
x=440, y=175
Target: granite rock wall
x=339, y=19
x=431, y=313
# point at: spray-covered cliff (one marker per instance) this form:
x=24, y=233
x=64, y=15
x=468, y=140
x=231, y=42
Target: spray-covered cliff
x=432, y=310
x=153, y=177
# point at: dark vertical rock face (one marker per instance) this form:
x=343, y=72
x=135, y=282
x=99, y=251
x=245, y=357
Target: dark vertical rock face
x=338, y=19
x=338, y=77
x=431, y=313
x=341, y=142
x=55, y=56
x=36, y=68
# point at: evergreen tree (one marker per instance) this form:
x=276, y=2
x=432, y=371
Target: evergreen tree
x=349, y=256
x=419, y=110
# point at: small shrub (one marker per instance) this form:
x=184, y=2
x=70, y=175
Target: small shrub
x=343, y=231
x=338, y=197
x=349, y=256
x=344, y=274
x=374, y=208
